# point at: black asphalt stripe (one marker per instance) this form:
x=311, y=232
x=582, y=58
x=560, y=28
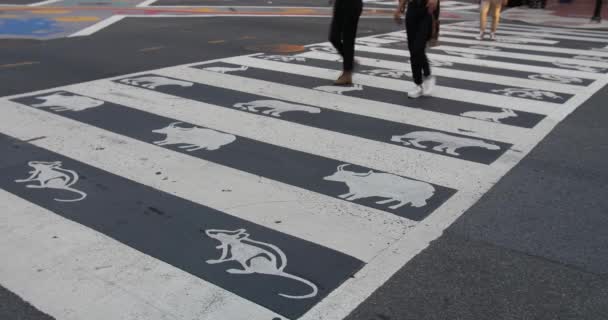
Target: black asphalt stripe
x=584, y=82
x=523, y=119
x=332, y=120
x=288, y=166
x=472, y=85
x=172, y=229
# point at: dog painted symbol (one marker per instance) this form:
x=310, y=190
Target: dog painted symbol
x=527, y=93
x=340, y=89
x=50, y=175
x=63, y=101
x=193, y=138
x=396, y=74
x=275, y=107
x=490, y=116
x=255, y=257
x=446, y=143
x=384, y=185
x=226, y=69
x=153, y=82
x=555, y=78
x=283, y=58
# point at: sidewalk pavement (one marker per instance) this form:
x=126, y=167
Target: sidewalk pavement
x=574, y=14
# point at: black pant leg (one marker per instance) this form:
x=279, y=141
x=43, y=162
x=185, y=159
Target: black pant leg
x=337, y=22
x=351, y=21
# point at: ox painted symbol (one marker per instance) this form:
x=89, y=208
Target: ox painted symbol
x=226, y=69
x=323, y=49
x=464, y=54
x=283, y=58
x=578, y=67
x=153, y=82
x=490, y=116
x=446, y=143
x=193, y=138
x=481, y=47
x=527, y=93
x=340, y=89
x=383, y=185
x=67, y=102
x=50, y=175
x=397, y=74
x=555, y=78
x=591, y=58
x=255, y=257
x=275, y=107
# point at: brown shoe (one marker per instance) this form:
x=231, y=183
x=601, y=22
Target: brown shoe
x=345, y=78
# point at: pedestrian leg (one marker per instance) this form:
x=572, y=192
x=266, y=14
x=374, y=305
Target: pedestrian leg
x=337, y=22
x=484, y=7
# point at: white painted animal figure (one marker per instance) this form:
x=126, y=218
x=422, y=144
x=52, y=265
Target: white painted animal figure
x=394, y=38
x=67, y=102
x=437, y=63
x=446, y=143
x=340, y=89
x=226, y=69
x=511, y=40
x=464, y=54
x=283, y=58
x=384, y=185
x=193, y=138
x=323, y=49
x=275, y=107
x=555, y=78
x=397, y=74
x=489, y=48
x=368, y=43
x=153, y=82
x=527, y=93
x=50, y=175
x=578, y=67
x=490, y=116
x=255, y=257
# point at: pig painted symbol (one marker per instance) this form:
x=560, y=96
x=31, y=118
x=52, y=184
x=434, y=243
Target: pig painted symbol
x=193, y=138
x=152, y=82
x=446, y=143
x=50, y=175
x=275, y=107
x=255, y=257
x=383, y=185
x=63, y=101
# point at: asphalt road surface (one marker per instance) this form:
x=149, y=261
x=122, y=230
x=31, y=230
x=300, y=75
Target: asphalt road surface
x=206, y=168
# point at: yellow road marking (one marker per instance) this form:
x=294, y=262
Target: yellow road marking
x=18, y=64
x=76, y=19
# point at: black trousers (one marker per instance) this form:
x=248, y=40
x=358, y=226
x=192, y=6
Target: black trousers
x=344, y=29
x=418, y=26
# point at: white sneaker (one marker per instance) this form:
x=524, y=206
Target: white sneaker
x=415, y=93
x=493, y=36
x=480, y=36
x=428, y=85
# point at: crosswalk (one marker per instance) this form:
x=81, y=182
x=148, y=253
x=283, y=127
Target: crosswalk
x=250, y=187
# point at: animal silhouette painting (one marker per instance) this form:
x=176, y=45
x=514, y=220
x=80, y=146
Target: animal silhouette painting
x=383, y=185
x=555, y=78
x=323, y=49
x=193, y=138
x=255, y=257
x=153, y=82
x=50, y=175
x=340, y=89
x=445, y=142
x=578, y=67
x=63, y=101
x=283, y=58
x=397, y=74
x=490, y=116
x=527, y=93
x=275, y=107
x=464, y=54
x=226, y=69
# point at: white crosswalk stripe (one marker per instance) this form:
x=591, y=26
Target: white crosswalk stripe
x=249, y=187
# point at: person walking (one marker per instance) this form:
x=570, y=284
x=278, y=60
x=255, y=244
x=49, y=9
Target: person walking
x=419, y=28
x=485, y=7
x=343, y=33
